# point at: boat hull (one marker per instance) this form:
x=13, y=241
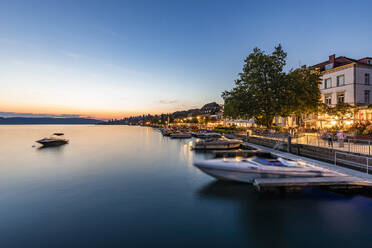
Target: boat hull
x=235, y=171
x=52, y=143
x=180, y=136
x=250, y=176
x=230, y=175
x=216, y=146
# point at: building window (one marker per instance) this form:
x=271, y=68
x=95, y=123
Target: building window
x=366, y=78
x=369, y=61
x=366, y=96
x=328, y=99
x=341, y=98
x=327, y=83
x=329, y=66
x=340, y=80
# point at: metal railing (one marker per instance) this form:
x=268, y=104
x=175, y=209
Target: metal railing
x=361, y=162
x=276, y=136
x=345, y=145
x=350, y=145
x=351, y=152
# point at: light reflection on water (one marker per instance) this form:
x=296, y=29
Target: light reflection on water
x=116, y=186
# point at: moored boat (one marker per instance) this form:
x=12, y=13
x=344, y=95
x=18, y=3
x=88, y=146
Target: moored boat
x=52, y=142
x=166, y=132
x=180, y=135
x=248, y=169
x=217, y=144
x=207, y=135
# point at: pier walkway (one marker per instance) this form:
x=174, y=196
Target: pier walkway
x=346, y=177
x=359, y=146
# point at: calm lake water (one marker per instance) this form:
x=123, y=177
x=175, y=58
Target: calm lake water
x=118, y=186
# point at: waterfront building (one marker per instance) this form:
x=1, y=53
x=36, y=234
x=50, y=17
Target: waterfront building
x=345, y=80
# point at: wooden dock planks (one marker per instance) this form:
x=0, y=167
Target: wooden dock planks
x=343, y=181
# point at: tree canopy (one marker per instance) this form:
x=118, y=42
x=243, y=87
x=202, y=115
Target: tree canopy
x=263, y=90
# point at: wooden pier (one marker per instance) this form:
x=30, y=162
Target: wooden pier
x=295, y=184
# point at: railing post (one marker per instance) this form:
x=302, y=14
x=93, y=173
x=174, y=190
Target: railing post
x=369, y=148
x=335, y=158
x=367, y=164
x=289, y=148
x=307, y=139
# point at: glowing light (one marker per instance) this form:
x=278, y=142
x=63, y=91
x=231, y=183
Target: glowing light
x=348, y=122
x=238, y=158
x=333, y=123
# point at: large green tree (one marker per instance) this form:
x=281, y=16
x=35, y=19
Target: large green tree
x=303, y=94
x=263, y=90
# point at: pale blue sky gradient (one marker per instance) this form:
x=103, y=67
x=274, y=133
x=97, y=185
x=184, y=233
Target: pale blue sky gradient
x=116, y=58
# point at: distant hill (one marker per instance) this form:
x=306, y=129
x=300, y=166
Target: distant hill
x=45, y=120
x=208, y=109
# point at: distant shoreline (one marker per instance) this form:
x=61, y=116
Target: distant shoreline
x=47, y=121
x=23, y=124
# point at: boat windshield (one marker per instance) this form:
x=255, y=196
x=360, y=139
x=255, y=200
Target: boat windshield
x=273, y=162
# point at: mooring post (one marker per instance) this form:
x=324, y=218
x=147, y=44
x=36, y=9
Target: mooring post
x=369, y=148
x=289, y=148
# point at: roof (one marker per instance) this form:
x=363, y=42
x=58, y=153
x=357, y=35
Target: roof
x=341, y=61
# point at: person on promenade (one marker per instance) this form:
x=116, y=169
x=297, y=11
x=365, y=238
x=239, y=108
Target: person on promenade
x=340, y=138
x=330, y=140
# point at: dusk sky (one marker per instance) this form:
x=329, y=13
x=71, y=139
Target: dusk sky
x=117, y=58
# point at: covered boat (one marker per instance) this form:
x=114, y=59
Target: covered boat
x=217, y=144
x=248, y=169
x=207, y=135
x=52, y=142
x=180, y=135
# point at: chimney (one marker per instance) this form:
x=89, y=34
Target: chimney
x=332, y=58
x=303, y=67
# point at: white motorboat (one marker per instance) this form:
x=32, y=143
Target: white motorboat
x=217, y=144
x=248, y=169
